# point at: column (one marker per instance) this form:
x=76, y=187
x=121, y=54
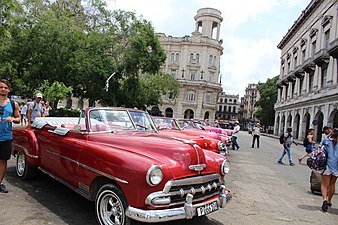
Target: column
x=316, y=78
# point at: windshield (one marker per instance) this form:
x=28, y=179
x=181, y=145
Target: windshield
x=109, y=120
x=142, y=120
x=165, y=123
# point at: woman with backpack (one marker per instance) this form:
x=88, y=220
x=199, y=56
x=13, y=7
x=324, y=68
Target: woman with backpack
x=330, y=174
x=308, y=144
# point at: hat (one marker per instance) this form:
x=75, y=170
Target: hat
x=326, y=128
x=38, y=95
x=236, y=122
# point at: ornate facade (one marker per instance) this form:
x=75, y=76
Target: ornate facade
x=308, y=81
x=227, y=107
x=195, y=62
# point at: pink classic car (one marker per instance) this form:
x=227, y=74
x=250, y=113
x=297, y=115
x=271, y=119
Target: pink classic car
x=169, y=126
x=197, y=128
x=129, y=174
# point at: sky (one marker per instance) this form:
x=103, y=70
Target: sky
x=251, y=31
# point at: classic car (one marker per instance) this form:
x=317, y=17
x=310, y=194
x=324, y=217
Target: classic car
x=169, y=126
x=129, y=174
x=206, y=127
x=197, y=129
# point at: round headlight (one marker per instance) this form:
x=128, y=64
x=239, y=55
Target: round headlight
x=225, y=167
x=154, y=175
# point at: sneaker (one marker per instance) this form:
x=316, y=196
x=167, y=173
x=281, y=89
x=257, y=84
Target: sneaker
x=280, y=162
x=292, y=164
x=299, y=160
x=3, y=189
x=324, y=206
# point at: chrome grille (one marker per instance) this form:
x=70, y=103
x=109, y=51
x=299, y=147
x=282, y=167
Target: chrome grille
x=201, y=187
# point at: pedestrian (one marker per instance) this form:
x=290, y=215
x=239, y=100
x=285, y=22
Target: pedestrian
x=309, y=144
x=330, y=174
x=256, y=133
x=34, y=109
x=46, y=109
x=235, y=133
x=23, y=111
x=288, y=141
x=7, y=118
x=327, y=131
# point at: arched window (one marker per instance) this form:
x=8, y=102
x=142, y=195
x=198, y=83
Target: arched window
x=221, y=100
x=191, y=56
x=198, y=58
x=210, y=60
x=172, y=57
x=177, y=59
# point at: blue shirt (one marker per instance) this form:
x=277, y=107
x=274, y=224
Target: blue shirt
x=332, y=155
x=6, y=127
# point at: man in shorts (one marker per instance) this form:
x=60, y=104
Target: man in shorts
x=7, y=117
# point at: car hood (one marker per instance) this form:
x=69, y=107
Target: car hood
x=155, y=148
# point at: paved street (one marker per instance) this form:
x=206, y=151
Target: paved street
x=264, y=193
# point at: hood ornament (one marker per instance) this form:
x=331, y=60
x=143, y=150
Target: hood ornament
x=197, y=167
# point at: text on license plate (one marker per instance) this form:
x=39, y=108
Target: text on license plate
x=206, y=209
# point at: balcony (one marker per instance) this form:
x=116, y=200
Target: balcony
x=333, y=48
x=299, y=72
x=321, y=57
x=309, y=66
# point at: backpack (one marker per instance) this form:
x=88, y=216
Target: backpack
x=317, y=159
x=281, y=138
x=305, y=142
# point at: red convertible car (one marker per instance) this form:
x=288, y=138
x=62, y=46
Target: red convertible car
x=129, y=174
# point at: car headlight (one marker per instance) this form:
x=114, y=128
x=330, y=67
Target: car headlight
x=225, y=167
x=154, y=175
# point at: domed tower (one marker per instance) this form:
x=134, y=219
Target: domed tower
x=208, y=22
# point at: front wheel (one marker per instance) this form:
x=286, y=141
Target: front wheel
x=110, y=206
x=23, y=170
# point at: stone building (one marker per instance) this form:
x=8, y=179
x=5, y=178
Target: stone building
x=250, y=98
x=195, y=62
x=308, y=81
x=227, y=107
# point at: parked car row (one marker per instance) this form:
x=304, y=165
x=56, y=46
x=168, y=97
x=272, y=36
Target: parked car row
x=118, y=158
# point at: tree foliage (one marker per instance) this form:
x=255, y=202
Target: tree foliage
x=268, y=96
x=80, y=44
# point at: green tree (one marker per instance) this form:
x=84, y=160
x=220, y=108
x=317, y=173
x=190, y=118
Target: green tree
x=55, y=91
x=268, y=96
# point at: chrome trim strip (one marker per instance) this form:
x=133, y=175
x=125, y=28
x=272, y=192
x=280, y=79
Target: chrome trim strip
x=25, y=150
x=88, y=167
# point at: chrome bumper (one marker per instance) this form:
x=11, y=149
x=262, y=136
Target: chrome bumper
x=186, y=212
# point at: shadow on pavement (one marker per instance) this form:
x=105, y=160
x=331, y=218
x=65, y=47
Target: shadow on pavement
x=71, y=207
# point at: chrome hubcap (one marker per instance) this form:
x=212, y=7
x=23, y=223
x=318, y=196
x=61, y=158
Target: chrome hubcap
x=111, y=209
x=21, y=164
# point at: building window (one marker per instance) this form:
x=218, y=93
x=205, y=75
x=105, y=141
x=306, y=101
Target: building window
x=324, y=77
x=211, y=77
x=198, y=58
x=170, y=95
x=230, y=100
x=311, y=76
x=193, y=74
x=210, y=60
x=293, y=88
x=314, y=43
x=173, y=73
x=177, y=59
x=326, y=39
x=191, y=95
x=235, y=101
x=191, y=56
x=214, y=61
x=234, y=109
x=303, y=55
x=220, y=108
x=301, y=81
x=226, y=100
x=221, y=100
x=295, y=61
x=225, y=108
x=172, y=57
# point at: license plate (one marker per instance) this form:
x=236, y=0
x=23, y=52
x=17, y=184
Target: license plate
x=206, y=209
